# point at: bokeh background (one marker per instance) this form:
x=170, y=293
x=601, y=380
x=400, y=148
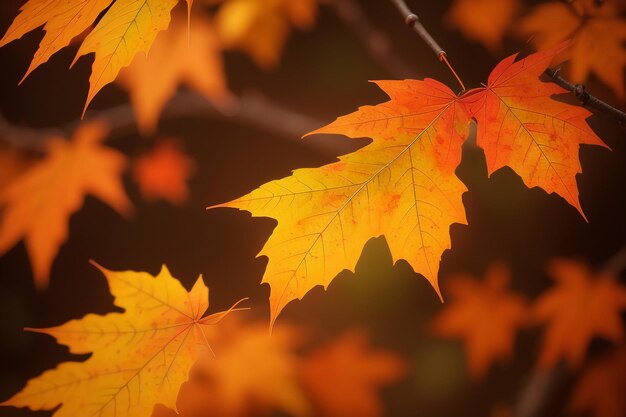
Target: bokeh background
x=323, y=73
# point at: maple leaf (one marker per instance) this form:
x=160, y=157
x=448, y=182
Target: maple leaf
x=36, y=206
x=484, y=21
x=252, y=371
x=598, y=33
x=138, y=358
x=163, y=172
x=126, y=28
x=600, y=390
x=579, y=308
x=261, y=27
x=402, y=185
x=182, y=54
x=343, y=377
x=521, y=126
x=485, y=315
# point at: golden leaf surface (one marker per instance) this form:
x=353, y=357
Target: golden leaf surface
x=401, y=185
x=37, y=205
x=484, y=315
x=126, y=28
x=580, y=307
x=598, y=33
x=139, y=357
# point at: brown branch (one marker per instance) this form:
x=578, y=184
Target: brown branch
x=249, y=109
x=375, y=41
x=585, y=98
x=413, y=22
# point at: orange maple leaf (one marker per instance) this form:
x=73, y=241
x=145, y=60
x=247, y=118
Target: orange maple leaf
x=521, y=126
x=600, y=390
x=163, y=172
x=180, y=55
x=403, y=185
x=579, y=308
x=260, y=28
x=139, y=357
x=343, y=377
x=252, y=372
x=37, y=205
x=126, y=28
x=484, y=21
x=598, y=32
x=484, y=315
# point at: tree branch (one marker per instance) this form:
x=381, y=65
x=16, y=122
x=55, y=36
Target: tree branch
x=250, y=109
x=375, y=41
x=585, y=98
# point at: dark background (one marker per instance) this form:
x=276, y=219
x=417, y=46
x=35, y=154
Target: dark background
x=323, y=73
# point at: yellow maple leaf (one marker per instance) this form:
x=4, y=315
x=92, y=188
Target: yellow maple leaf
x=126, y=28
x=37, y=205
x=261, y=27
x=598, y=32
x=138, y=358
x=484, y=315
x=580, y=307
x=402, y=185
x=182, y=54
x=484, y=21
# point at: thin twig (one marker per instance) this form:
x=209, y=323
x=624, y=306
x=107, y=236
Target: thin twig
x=250, y=109
x=413, y=22
x=585, y=98
x=375, y=41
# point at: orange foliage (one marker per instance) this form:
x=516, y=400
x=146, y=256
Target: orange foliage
x=598, y=33
x=163, y=172
x=484, y=315
x=344, y=376
x=521, y=126
x=37, y=205
x=403, y=185
x=600, y=390
x=484, y=21
x=138, y=357
x=261, y=27
x=183, y=54
x=252, y=372
x=126, y=28
x=580, y=307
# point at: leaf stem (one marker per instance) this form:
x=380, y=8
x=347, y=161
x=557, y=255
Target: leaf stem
x=412, y=21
